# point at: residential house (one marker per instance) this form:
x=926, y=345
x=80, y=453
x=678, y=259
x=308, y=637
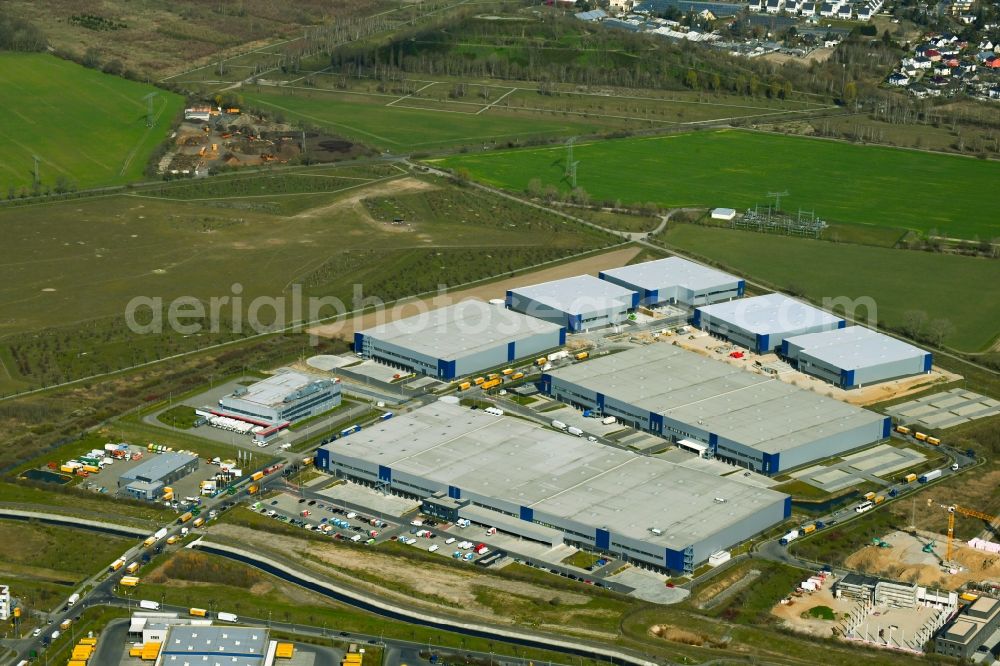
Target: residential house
x=933, y=55
x=845, y=12
x=808, y=9
x=792, y=6
x=922, y=62
x=828, y=9
x=774, y=6
x=899, y=79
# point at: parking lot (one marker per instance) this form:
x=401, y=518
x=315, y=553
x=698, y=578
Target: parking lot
x=336, y=521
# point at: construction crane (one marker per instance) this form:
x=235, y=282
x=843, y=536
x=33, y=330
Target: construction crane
x=971, y=513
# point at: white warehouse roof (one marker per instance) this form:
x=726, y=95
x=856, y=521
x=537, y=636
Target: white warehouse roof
x=742, y=406
x=671, y=272
x=854, y=347
x=579, y=294
x=458, y=330
x=551, y=472
x=769, y=314
x=284, y=386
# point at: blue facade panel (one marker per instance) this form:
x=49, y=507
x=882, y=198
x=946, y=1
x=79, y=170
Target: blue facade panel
x=846, y=378
x=600, y=401
x=576, y=322
x=359, y=342
x=602, y=539
x=509, y=298
x=454, y=492
x=562, y=335
x=763, y=343
x=635, y=299
x=788, y=507
x=446, y=369
x=545, y=384
x=886, y=427
x=656, y=422
x=696, y=319
x=384, y=474
x=842, y=323
x=673, y=559
x=741, y=287
x=784, y=347
x=322, y=458
x=771, y=462
x=713, y=442
x=928, y=360
x=511, y=354
x=527, y=513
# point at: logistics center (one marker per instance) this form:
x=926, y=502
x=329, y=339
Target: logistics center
x=147, y=480
x=761, y=323
x=579, y=303
x=676, y=280
x=280, y=399
x=458, y=340
x=854, y=356
x=715, y=408
x=548, y=486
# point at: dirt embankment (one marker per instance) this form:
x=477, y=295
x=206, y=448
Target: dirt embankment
x=439, y=587
x=613, y=259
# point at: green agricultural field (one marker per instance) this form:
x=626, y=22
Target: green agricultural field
x=898, y=280
x=419, y=125
x=736, y=169
x=87, y=128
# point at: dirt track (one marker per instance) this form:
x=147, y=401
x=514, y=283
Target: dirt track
x=345, y=329
x=394, y=187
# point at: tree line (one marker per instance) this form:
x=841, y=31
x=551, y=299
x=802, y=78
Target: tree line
x=16, y=34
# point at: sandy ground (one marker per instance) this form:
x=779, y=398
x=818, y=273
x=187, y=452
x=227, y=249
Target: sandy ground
x=395, y=187
x=345, y=329
x=791, y=613
x=452, y=588
x=819, y=55
x=906, y=561
x=868, y=395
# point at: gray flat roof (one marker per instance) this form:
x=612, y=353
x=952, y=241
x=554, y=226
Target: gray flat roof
x=228, y=646
x=754, y=410
x=672, y=272
x=461, y=329
x=272, y=391
x=158, y=465
x=855, y=347
x=770, y=313
x=578, y=294
x=520, y=462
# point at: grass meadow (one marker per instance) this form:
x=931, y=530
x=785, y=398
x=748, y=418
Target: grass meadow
x=898, y=280
x=84, y=126
x=737, y=169
x=73, y=266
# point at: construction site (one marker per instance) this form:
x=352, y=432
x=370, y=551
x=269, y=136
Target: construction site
x=212, y=138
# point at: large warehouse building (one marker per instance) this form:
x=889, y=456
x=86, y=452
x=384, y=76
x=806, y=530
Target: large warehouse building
x=716, y=408
x=147, y=480
x=458, y=340
x=281, y=398
x=533, y=482
x=578, y=303
x=676, y=280
x=855, y=356
x=762, y=322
